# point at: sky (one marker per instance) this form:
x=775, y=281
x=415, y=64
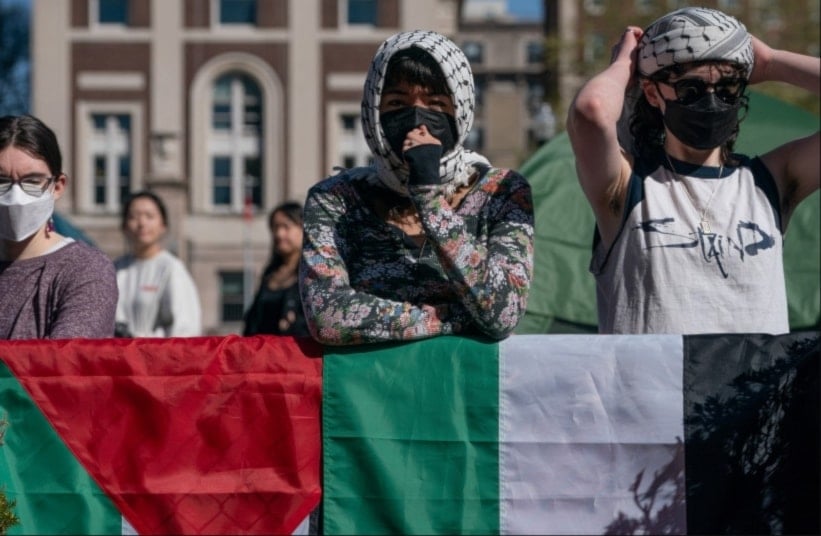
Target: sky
x=526, y=9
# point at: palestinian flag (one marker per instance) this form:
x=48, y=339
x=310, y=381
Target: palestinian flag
x=537, y=434
x=174, y=436
x=569, y=434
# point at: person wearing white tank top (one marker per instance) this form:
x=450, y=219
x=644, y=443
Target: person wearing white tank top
x=689, y=235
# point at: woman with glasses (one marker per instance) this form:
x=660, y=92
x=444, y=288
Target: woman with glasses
x=51, y=286
x=689, y=235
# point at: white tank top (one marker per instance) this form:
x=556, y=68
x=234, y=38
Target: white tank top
x=665, y=274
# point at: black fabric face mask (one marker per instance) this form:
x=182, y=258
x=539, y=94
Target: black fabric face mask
x=705, y=124
x=397, y=123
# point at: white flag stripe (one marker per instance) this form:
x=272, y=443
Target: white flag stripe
x=580, y=418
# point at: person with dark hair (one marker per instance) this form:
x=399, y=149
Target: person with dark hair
x=431, y=239
x=277, y=307
x=51, y=286
x=158, y=297
x=689, y=235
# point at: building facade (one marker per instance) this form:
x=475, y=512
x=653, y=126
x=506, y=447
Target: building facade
x=512, y=116
x=223, y=107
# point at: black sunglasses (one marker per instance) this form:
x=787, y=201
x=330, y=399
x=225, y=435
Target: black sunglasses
x=690, y=90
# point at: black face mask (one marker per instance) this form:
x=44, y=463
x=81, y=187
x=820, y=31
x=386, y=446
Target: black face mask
x=397, y=123
x=705, y=124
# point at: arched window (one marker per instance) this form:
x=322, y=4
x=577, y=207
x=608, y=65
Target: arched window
x=235, y=142
x=236, y=135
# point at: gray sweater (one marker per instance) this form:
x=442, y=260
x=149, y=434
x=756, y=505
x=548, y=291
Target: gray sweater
x=68, y=293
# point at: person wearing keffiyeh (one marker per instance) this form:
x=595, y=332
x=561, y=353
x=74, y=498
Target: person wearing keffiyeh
x=430, y=239
x=689, y=235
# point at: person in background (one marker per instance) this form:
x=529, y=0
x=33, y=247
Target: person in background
x=51, y=286
x=277, y=307
x=158, y=298
x=431, y=239
x=689, y=235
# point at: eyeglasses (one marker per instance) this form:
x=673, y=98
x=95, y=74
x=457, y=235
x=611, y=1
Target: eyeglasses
x=33, y=185
x=690, y=90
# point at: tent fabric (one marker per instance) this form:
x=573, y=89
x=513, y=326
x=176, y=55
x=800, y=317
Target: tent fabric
x=563, y=294
x=64, y=226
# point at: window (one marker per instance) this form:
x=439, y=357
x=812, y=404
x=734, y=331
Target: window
x=221, y=167
x=474, y=51
x=237, y=112
x=479, y=87
x=237, y=11
x=349, y=122
x=475, y=139
x=535, y=52
x=253, y=184
x=645, y=6
x=231, y=296
x=729, y=5
x=535, y=94
x=594, y=7
x=110, y=148
x=352, y=149
x=771, y=17
x=235, y=143
x=361, y=12
x=112, y=11
x=594, y=48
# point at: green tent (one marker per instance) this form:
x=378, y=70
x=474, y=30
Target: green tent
x=563, y=295
x=64, y=226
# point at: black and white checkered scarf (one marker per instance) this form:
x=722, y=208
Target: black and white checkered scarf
x=455, y=167
x=694, y=34
x=683, y=36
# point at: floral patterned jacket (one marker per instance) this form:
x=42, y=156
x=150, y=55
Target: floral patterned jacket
x=363, y=280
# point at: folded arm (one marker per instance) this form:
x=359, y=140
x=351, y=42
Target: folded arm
x=336, y=313
x=492, y=277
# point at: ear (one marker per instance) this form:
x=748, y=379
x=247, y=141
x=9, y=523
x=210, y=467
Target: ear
x=59, y=186
x=651, y=93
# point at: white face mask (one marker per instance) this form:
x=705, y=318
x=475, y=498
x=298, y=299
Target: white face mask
x=21, y=214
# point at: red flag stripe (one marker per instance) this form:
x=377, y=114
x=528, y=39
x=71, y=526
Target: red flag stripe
x=201, y=435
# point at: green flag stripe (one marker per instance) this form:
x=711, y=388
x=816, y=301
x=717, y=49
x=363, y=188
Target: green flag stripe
x=54, y=493
x=428, y=464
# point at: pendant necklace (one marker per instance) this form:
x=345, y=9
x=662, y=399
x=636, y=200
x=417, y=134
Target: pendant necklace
x=703, y=222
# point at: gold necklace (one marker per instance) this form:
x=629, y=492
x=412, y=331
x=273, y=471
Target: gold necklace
x=703, y=222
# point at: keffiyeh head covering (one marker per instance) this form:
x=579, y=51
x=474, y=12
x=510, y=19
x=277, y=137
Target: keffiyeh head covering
x=455, y=167
x=694, y=34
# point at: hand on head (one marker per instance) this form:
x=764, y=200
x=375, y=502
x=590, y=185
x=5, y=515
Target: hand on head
x=762, y=53
x=625, y=49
